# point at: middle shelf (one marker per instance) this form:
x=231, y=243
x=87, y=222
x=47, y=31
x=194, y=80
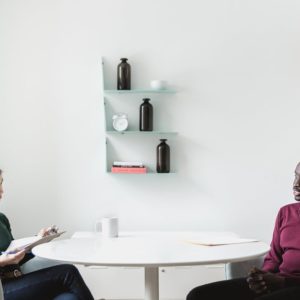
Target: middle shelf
x=137, y=132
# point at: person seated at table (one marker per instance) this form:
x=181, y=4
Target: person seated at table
x=61, y=282
x=279, y=278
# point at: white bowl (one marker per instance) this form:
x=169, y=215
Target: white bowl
x=158, y=84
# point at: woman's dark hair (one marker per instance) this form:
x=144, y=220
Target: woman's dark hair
x=0, y=172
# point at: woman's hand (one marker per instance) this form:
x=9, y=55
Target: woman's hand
x=43, y=232
x=11, y=259
x=48, y=231
x=260, y=281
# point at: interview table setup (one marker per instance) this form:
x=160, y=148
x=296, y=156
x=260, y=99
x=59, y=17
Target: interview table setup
x=151, y=250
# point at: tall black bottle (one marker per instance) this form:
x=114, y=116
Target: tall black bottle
x=163, y=157
x=146, y=115
x=124, y=75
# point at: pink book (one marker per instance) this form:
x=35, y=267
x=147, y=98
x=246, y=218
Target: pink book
x=129, y=170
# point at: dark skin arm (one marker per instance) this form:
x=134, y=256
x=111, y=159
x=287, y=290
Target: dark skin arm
x=262, y=282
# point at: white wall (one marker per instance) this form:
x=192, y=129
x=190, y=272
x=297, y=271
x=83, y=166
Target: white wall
x=237, y=67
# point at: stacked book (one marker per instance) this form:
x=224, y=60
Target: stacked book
x=128, y=167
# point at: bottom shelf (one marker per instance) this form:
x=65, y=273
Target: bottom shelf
x=148, y=173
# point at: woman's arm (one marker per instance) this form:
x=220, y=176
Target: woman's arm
x=11, y=259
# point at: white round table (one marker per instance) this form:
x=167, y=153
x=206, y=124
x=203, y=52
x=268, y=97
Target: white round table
x=150, y=250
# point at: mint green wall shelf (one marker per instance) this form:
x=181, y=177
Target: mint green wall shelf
x=110, y=101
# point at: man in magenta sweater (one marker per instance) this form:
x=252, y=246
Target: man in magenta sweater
x=279, y=278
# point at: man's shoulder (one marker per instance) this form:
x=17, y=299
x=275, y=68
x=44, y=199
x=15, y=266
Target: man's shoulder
x=290, y=207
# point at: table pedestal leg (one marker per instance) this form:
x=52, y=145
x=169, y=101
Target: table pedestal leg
x=151, y=283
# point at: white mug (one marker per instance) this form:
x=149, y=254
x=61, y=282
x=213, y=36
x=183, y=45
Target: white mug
x=109, y=227
x=158, y=84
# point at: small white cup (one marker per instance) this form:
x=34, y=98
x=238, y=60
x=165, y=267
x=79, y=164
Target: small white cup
x=109, y=227
x=158, y=84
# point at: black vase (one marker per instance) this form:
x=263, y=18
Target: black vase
x=124, y=75
x=146, y=115
x=163, y=157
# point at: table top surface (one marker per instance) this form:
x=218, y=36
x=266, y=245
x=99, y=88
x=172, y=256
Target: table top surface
x=146, y=249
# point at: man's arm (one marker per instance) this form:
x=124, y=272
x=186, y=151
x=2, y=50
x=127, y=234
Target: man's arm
x=274, y=257
x=261, y=280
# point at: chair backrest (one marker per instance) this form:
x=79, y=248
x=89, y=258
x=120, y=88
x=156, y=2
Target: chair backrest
x=242, y=268
x=1, y=291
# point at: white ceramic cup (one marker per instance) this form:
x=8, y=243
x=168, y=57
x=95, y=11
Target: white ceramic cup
x=158, y=84
x=109, y=227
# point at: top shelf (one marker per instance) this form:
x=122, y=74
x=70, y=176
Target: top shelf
x=140, y=91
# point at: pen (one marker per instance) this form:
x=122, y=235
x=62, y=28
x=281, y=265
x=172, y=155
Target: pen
x=12, y=251
x=52, y=230
x=8, y=252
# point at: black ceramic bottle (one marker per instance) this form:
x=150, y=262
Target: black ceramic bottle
x=124, y=75
x=146, y=115
x=163, y=157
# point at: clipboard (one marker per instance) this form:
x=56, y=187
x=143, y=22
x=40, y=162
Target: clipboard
x=28, y=243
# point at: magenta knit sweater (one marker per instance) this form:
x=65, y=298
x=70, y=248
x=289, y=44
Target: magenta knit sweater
x=284, y=255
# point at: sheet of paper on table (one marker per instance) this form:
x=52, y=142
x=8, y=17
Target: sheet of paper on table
x=219, y=241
